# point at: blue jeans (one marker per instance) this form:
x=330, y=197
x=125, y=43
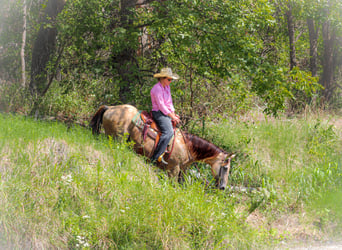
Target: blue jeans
x=165, y=126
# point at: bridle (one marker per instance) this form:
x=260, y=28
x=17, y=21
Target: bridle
x=223, y=164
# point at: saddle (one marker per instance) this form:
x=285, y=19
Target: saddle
x=144, y=121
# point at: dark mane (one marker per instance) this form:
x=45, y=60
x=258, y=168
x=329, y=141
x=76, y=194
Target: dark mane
x=201, y=148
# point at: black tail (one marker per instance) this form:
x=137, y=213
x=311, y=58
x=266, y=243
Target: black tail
x=96, y=122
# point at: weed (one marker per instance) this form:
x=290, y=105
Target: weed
x=62, y=188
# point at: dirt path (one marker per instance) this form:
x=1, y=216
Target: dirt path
x=330, y=245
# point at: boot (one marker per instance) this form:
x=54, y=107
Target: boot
x=161, y=159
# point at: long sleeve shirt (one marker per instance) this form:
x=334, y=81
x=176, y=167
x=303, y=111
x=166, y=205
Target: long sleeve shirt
x=161, y=99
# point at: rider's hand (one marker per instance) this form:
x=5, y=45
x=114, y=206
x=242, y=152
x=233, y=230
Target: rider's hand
x=175, y=118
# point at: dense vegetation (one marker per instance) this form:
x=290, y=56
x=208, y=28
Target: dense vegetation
x=59, y=60
x=62, y=188
x=278, y=55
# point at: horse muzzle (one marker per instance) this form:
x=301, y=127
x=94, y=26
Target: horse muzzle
x=222, y=185
x=223, y=178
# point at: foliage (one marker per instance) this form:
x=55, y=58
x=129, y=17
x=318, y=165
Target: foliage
x=212, y=40
x=216, y=46
x=61, y=187
x=13, y=98
x=77, y=99
x=11, y=19
x=10, y=42
x=232, y=54
x=294, y=160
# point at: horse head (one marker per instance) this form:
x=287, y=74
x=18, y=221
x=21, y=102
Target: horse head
x=205, y=151
x=220, y=169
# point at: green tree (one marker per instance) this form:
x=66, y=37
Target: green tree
x=223, y=42
x=324, y=27
x=10, y=40
x=229, y=53
x=44, y=47
x=331, y=29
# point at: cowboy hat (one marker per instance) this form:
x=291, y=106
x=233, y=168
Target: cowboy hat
x=166, y=72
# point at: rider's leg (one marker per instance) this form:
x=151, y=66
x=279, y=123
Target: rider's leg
x=165, y=126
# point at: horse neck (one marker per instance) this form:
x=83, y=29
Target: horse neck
x=202, y=150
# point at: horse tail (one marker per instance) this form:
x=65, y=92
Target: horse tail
x=96, y=121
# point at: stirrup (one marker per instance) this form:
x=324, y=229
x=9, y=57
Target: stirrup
x=161, y=159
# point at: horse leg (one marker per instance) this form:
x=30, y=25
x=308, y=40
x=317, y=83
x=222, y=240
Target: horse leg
x=181, y=176
x=173, y=172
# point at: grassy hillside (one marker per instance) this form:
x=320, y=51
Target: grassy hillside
x=63, y=188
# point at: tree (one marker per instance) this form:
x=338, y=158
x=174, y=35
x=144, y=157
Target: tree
x=329, y=33
x=313, y=37
x=44, y=47
x=291, y=34
x=22, y=52
x=224, y=43
x=124, y=60
x=11, y=31
x=226, y=51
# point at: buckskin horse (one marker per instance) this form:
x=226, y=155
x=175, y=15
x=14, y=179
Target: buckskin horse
x=186, y=148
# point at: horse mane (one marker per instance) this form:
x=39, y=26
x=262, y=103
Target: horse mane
x=201, y=148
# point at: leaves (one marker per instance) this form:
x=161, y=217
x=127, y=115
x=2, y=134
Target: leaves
x=224, y=51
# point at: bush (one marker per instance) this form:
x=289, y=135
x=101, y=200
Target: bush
x=14, y=98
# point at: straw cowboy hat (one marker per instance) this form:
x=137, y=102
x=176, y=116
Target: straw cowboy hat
x=166, y=72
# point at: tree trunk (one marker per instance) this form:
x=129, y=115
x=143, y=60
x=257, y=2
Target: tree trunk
x=22, y=51
x=313, y=36
x=44, y=47
x=124, y=60
x=291, y=31
x=327, y=78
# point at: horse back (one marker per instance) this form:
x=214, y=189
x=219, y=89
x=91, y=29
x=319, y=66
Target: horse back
x=117, y=119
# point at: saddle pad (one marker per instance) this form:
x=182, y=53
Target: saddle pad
x=140, y=123
x=137, y=121
x=142, y=118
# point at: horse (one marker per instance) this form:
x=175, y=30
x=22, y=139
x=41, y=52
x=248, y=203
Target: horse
x=187, y=148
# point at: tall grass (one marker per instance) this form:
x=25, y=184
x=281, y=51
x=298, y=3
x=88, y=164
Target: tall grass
x=297, y=162
x=63, y=188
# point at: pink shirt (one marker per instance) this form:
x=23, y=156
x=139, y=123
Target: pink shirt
x=161, y=99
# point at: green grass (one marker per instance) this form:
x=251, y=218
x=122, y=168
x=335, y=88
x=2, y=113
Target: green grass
x=296, y=161
x=63, y=188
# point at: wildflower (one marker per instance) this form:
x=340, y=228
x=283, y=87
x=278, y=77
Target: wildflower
x=82, y=242
x=67, y=178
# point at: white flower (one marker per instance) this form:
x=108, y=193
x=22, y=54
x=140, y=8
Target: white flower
x=82, y=242
x=67, y=178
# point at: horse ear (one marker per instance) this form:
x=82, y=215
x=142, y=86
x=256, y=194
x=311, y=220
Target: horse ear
x=230, y=156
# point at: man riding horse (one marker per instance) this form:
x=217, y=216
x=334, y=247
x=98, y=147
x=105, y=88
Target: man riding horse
x=163, y=111
x=186, y=148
